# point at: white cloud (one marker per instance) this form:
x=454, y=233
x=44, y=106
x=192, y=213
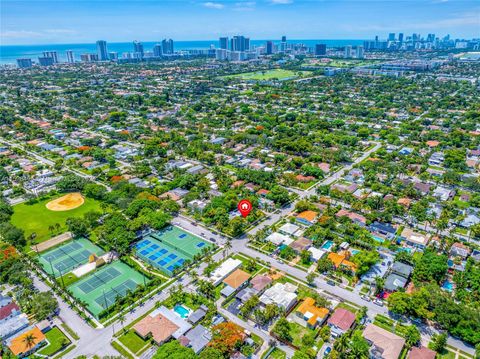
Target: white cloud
x=19, y=34
x=213, y=5
x=245, y=6
x=281, y=2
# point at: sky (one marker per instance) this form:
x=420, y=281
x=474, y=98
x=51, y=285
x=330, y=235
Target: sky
x=85, y=21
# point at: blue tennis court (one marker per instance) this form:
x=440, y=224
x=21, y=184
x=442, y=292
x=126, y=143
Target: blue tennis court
x=170, y=248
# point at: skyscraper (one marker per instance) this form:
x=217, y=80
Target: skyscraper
x=113, y=56
x=320, y=49
x=400, y=37
x=70, y=57
x=167, y=46
x=157, y=50
x=224, y=43
x=360, y=51
x=391, y=36
x=269, y=47
x=138, y=49
x=240, y=43
x=24, y=63
x=284, y=38
x=102, y=51
x=348, y=51
x=51, y=54
x=46, y=61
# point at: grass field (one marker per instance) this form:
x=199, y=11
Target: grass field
x=132, y=341
x=37, y=218
x=265, y=75
x=101, y=288
x=57, y=341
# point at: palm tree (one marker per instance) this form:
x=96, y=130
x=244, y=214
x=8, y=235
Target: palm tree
x=121, y=319
x=29, y=341
x=341, y=345
x=228, y=246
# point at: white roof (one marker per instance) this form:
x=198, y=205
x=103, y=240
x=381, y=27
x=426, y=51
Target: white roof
x=278, y=238
x=317, y=253
x=289, y=228
x=224, y=269
x=279, y=294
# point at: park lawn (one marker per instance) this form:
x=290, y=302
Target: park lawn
x=132, y=341
x=57, y=341
x=36, y=218
x=265, y=75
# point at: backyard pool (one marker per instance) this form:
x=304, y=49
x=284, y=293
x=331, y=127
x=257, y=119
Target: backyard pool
x=378, y=239
x=447, y=285
x=354, y=251
x=182, y=311
x=327, y=245
x=404, y=249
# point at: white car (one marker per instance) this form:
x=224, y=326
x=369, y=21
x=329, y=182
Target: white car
x=378, y=302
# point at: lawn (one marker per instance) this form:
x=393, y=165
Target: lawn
x=132, y=341
x=36, y=218
x=276, y=354
x=265, y=75
x=297, y=332
x=57, y=341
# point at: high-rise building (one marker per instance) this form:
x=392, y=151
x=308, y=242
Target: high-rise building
x=89, y=57
x=46, y=61
x=24, y=63
x=224, y=43
x=138, y=49
x=269, y=48
x=240, y=43
x=221, y=54
x=70, y=57
x=391, y=36
x=51, y=54
x=348, y=52
x=102, y=51
x=320, y=49
x=400, y=37
x=284, y=38
x=113, y=56
x=359, y=52
x=157, y=50
x=167, y=46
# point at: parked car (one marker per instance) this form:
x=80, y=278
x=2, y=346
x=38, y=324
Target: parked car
x=331, y=282
x=378, y=302
x=327, y=351
x=366, y=298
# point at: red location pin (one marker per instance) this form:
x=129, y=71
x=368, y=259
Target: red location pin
x=244, y=207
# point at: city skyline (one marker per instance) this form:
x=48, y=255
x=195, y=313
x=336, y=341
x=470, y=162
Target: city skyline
x=46, y=22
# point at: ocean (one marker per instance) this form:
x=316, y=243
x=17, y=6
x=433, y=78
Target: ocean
x=9, y=53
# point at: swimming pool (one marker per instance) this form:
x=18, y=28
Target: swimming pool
x=181, y=311
x=378, y=239
x=354, y=251
x=447, y=285
x=404, y=249
x=327, y=245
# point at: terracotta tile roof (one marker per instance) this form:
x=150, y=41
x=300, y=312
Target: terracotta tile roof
x=260, y=282
x=421, y=353
x=308, y=215
x=390, y=344
x=18, y=345
x=308, y=308
x=158, y=326
x=236, y=279
x=342, y=319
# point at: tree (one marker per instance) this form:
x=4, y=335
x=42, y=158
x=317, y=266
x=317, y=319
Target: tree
x=226, y=336
x=206, y=288
x=305, y=256
x=311, y=278
x=379, y=284
x=430, y=266
x=439, y=342
x=324, y=265
x=301, y=354
x=358, y=347
x=29, y=340
x=399, y=303
x=173, y=350
x=282, y=329
x=211, y=353
x=364, y=260
x=412, y=335
x=43, y=305
x=77, y=226
x=325, y=333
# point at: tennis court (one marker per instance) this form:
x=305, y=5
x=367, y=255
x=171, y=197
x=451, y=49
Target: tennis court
x=169, y=248
x=66, y=257
x=101, y=288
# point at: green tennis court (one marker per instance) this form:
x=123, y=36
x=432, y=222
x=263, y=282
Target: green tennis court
x=68, y=256
x=101, y=288
x=170, y=248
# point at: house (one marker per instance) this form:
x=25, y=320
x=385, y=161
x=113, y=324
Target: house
x=470, y=220
x=9, y=311
x=278, y=239
x=283, y=295
x=402, y=269
x=162, y=324
x=383, y=228
x=238, y=279
x=421, y=353
x=313, y=315
x=290, y=229
x=307, y=218
x=197, y=338
x=378, y=269
x=384, y=344
x=221, y=272
x=18, y=345
x=198, y=315
x=354, y=217
x=317, y=253
x=394, y=281
x=405, y=151
x=301, y=244
x=414, y=239
x=443, y=194
x=340, y=261
x=260, y=282
x=423, y=188
x=436, y=159
x=325, y=167
x=197, y=205
x=245, y=294
x=341, y=321
x=459, y=250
